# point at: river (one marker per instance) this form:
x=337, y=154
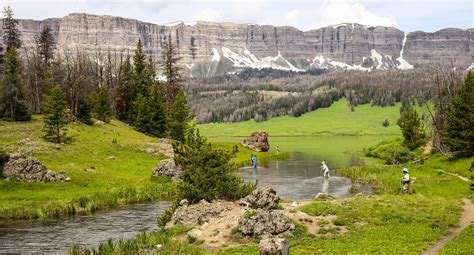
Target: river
x=297, y=178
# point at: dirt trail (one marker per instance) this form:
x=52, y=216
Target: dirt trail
x=467, y=218
x=456, y=175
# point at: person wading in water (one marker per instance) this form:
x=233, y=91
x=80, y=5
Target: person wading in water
x=325, y=168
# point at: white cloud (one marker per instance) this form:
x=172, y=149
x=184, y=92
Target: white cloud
x=207, y=14
x=342, y=11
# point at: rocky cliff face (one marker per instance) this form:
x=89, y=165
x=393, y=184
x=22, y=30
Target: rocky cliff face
x=209, y=48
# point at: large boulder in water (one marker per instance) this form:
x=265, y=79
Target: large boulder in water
x=26, y=169
x=265, y=223
x=167, y=167
x=263, y=198
x=258, y=141
x=274, y=246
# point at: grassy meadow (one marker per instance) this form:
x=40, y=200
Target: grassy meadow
x=108, y=165
x=387, y=222
x=338, y=119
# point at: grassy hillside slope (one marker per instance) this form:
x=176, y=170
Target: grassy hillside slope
x=107, y=165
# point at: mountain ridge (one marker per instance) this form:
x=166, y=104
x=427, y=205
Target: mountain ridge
x=237, y=46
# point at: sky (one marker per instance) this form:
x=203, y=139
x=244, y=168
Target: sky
x=407, y=15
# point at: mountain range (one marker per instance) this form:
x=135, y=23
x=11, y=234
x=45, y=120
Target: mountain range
x=210, y=48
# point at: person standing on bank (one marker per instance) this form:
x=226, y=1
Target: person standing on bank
x=405, y=181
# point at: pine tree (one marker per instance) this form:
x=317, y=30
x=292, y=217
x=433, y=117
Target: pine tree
x=14, y=101
x=207, y=173
x=100, y=104
x=141, y=75
x=55, y=116
x=11, y=34
x=412, y=128
x=125, y=92
x=45, y=45
x=459, y=135
x=149, y=113
x=84, y=113
x=179, y=117
x=172, y=72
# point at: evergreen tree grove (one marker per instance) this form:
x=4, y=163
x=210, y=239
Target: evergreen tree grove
x=412, y=128
x=101, y=105
x=55, y=116
x=13, y=99
x=459, y=134
x=149, y=113
x=125, y=92
x=179, y=117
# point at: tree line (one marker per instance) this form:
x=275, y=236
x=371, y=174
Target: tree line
x=232, y=98
x=75, y=86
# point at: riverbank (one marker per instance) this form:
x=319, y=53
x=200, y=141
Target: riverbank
x=387, y=222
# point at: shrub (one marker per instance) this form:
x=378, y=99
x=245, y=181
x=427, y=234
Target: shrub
x=391, y=151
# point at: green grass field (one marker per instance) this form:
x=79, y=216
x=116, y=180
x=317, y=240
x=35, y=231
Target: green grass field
x=335, y=120
x=108, y=165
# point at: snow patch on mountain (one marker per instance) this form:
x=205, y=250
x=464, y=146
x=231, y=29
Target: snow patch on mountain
x=471, y=67
x=248, y=59
x=323, y=62
x=403, y=63
x=216, y=57
x=377, y=58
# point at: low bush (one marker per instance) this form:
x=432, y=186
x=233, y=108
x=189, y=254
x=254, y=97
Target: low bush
x=391, y=151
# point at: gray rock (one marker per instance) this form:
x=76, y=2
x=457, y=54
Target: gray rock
x=21, y=168
x=194, y=233
x=199, y=213
x=167, y=167
x=266, y=223
x=274, y=246
x=264, y=198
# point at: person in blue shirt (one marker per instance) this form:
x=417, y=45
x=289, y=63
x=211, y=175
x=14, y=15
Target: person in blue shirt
x=254, y=162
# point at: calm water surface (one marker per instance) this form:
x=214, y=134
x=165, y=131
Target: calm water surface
x=55, y=236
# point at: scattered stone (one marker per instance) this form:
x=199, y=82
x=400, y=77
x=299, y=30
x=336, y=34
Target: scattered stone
x=258, y=141
x=194, y=233
x=264, y=198
x=197, y=214
x=266, y=223
x=294, y=204
x=274, y=246
x=111, y=157
x=167, y=167
x=21, y=168
x=324, y=197
x=99, y=122
x=183, y=202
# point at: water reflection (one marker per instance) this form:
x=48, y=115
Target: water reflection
x=298, y=178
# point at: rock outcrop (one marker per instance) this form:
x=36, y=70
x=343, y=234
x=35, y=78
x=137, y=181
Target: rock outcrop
x=265, y=223
x=274, y=246
x=258, y=141
x=263, y=198
x=200, y=213
x=209, y=48
x=167, y=167
x=21, y=168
